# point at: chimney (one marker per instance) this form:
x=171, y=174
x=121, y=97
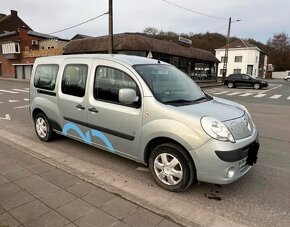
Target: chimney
x=13, y=12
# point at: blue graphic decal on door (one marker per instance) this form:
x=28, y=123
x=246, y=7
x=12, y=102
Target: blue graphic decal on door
x=87, y=137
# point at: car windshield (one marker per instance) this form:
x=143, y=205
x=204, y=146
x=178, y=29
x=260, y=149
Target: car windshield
x=169, y=85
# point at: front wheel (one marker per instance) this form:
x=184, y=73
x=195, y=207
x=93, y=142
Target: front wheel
x=171, y=167
x=42, y=127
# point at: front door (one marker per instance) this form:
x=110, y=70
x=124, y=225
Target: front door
x=71, y=99
x=115, y=126
x=250, y=69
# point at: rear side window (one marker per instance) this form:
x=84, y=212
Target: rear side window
x=45, y=76
x=234, y=76
x=108, y=82
x=74, y=80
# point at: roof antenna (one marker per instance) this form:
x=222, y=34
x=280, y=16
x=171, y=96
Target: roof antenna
x=159, y=61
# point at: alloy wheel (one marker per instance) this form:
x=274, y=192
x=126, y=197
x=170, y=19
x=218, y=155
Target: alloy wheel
x=168, y=169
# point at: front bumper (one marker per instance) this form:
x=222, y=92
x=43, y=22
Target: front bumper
x=224, y=162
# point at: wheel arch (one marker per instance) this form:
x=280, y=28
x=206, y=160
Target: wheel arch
x=36, y=111
x=161, y=140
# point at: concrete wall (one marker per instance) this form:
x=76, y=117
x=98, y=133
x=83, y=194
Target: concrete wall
x=280, y=75
x=56, y=44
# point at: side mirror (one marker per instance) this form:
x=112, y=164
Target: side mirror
x=127, y=96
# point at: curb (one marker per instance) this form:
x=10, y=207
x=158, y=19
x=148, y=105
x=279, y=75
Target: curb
x=15, y=80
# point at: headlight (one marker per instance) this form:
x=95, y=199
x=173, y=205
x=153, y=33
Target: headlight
x=248, y=113
x=216, y=129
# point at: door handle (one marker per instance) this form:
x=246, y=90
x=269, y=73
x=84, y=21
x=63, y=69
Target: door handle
x=80, y=107
x=93, y=110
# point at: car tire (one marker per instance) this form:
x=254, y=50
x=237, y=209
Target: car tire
x=42, y=127
x=257, y=86
x=171, y=167
x=231, y=85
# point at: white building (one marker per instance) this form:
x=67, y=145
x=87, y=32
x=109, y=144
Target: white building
x=243, y=57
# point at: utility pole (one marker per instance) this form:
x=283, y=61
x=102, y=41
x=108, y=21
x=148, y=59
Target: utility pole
x=227, y=51
x=110, y=44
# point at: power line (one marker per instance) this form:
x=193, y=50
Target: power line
x=78, y=24
x=192, y=11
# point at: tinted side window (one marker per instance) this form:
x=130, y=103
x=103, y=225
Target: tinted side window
x=232, y=77
x=245, y=77
x=45, y=76
x=108, y=82
x=74, y=80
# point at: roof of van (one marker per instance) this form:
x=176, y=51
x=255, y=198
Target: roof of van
x=121, y=58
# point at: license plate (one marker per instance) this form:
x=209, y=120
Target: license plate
x=253, y=153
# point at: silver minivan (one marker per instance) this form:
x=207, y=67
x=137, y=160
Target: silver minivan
x=147, y=111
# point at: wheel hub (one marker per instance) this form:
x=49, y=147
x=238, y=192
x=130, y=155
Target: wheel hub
x=167, y=170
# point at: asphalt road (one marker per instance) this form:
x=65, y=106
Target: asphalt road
x=261, y=198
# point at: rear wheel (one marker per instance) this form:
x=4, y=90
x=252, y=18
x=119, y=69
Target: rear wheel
x=257, y=86
x=231, y=85
x=171, y=168
x=42, y=127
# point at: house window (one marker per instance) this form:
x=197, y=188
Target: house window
x=10, y=48
x=256, y=59
x=238, y=58
x=237, y=71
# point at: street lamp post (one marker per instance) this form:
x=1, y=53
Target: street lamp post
x=227, y=49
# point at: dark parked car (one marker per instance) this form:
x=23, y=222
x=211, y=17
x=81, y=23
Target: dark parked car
x=235, y=80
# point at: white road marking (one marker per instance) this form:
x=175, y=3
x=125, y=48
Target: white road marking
x=11, y=92
x=14, y=101
x=15, y=89
x=1, y=102
x=246, y=94
x=260, y=95
x=271, y=89
x=275, y=96
x=7, y=117
x=234, y=93
x=21, y=107
x=26, y=99
x=288, y=98
x=220, y=93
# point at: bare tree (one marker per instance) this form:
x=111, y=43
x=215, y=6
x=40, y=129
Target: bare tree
x=279, y=53
x=150, y=31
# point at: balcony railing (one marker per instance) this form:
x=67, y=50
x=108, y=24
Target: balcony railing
x=12, y=56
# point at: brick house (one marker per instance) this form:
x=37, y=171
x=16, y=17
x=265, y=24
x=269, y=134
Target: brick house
x=19, y=46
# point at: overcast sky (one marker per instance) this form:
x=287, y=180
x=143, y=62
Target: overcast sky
x=260, y=18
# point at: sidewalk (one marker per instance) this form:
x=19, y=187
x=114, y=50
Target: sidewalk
x=36, y=194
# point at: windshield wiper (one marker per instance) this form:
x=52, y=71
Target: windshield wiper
x=201, y=98
x=179, y=101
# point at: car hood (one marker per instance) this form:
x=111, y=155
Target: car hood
x=217, y=108
x=230, y=113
